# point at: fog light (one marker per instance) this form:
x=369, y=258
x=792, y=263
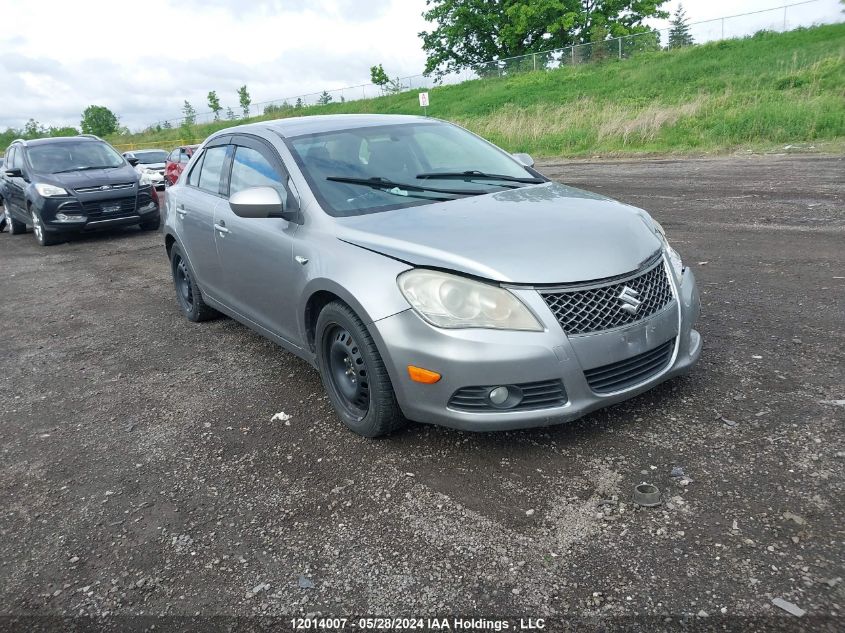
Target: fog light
x=499, y=395
x=150, y=206
x=63, y=217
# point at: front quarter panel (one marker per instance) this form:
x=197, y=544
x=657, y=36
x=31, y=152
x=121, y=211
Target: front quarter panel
x=363, y=279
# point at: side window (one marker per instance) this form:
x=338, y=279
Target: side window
x=194, y=176
x=174, y=156
x=17, y=159
x=184, y=157
x=251, y=168
x=212, y=168
x=10, y=158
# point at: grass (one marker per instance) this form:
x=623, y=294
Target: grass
x=753, y=93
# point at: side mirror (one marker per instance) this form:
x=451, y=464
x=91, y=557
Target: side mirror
x=132, y=161
x=14, y=173
x=524, y=159
x=260, y=202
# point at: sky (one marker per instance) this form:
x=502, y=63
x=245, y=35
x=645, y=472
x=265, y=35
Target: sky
x=143, y=59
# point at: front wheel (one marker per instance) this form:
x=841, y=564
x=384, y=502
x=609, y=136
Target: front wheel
x=41, y=236
x=16, y=227
x=354, y=374
x=151, y=225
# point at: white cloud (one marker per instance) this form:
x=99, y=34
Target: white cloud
x=144, y=59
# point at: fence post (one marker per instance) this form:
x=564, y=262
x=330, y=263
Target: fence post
x=784, y=18
x=535, y=60
x=723, y=28
x=620, y=48
x=572, y=50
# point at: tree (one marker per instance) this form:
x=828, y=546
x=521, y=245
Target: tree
x=62, y=131
x=98, y=120
x=298, y=104
x=679, y=34
x=325, y=98
x=166, y=125
x=230, y=114
x=190, y=114
x=380, y=78
x=245, y=100
x=214, y=104
x=468, y=32
x=33, y=129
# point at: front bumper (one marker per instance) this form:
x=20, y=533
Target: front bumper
x=96, y=212
x=475, y=357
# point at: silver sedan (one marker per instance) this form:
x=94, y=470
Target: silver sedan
x=427, y=274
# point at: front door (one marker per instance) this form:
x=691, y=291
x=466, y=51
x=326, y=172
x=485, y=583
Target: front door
x=256, y=254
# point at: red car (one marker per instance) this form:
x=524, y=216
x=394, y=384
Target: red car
x=176, y=161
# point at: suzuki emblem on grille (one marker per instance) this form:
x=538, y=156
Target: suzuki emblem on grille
x=629, y=301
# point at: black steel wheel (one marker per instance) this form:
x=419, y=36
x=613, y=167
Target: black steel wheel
x=188, y=293
x=354, y=374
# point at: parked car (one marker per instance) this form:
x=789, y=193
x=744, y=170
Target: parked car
x=66, y=185
x=176, y=161
x=427, y=274
x=150, y=162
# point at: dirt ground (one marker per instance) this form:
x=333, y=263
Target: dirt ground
x=141, y=473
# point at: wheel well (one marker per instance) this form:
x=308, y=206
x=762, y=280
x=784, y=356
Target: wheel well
x=315, y=305
x=169, y=240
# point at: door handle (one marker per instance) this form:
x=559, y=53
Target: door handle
x=221, y=228
x=180, y=209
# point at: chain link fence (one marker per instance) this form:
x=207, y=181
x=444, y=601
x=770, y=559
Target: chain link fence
x=781, y=18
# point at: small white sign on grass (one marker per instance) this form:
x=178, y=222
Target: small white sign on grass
x=423, y=99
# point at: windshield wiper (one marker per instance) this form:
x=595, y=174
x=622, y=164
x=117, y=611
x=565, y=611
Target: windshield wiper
x=66, y=171
x=473, y=174
x=381, y=183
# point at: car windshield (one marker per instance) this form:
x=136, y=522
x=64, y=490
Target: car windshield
x=363, y=170
x=151, y=157
x=54, y=158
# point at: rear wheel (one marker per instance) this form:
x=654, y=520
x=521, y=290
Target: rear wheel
x=188, y=293
x=41, y=236
x=354, y=374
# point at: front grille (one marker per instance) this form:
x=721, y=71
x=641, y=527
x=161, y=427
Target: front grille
x=631, y=371
x=535, y=395
x=94, y=209
x=98, y=188
x=600, y=308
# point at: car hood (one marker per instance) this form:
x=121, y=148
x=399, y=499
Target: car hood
x=543, y=234
x=150, y=166
x=93, y=178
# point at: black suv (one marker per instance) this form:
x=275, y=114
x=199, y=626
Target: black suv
x=71, y=184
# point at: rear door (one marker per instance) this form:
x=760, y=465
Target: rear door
x=256, y=254
x=194, y=205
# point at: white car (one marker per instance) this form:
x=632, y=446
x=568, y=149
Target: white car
x=149, y=163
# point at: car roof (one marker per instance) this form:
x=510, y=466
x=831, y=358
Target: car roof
x=145, y=151
x=297, y=126
x=62, y=139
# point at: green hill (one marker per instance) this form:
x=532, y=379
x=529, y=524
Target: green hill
x=758, y=92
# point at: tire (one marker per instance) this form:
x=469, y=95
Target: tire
x=188, y=294
x=151, y=225
x=16, y=227
x=41, y=236
x=354, y=374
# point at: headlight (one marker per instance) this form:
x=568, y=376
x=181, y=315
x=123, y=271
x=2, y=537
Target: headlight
x=674, y=256
x=49, y=190
x=450, y=301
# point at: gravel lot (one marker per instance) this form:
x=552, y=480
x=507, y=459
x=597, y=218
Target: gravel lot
x=141, y=472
